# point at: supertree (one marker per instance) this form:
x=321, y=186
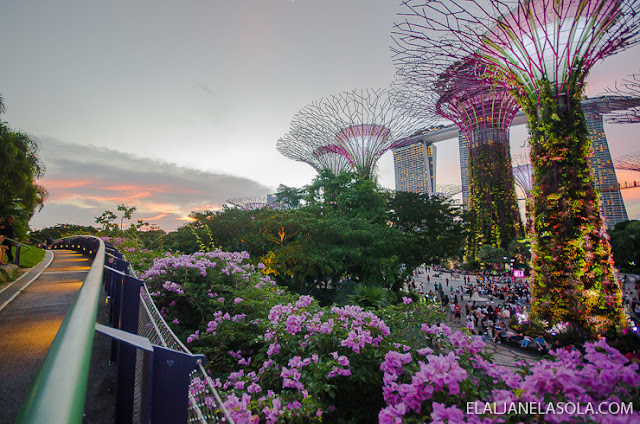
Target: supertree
x=359, y=125
x=448, y=190
x=300, y=148
x=628, y=162
x=523, y=174
x=629, y=87
x=249, y=203
x=542, y=51
x=461, y=93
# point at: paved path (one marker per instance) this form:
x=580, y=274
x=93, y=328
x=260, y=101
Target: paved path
x=32, y=310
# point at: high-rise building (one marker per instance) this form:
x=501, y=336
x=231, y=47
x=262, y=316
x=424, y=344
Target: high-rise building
x=463, y=147
x=415, y=167
x=606, y=181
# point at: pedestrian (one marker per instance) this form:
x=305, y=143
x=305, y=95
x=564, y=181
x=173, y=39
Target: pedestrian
x=458, y=312
x=6, y=230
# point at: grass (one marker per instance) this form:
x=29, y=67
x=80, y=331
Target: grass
x=30, y=256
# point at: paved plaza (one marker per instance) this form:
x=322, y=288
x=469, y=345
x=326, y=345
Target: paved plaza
x=503, y=354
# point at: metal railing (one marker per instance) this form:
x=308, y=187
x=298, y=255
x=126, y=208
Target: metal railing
x=158, y=379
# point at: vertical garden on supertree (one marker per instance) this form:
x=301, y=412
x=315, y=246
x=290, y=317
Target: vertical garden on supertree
x=358, y=125
x=542, y=51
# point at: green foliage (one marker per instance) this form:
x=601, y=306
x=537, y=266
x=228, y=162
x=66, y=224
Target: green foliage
x=290, y=196
x=20, y=168
x=30, y=256
x=434, y=228
x=369, y=296
x=494, y=218
x=62, y=230
x=492, y=255
x=571, y=256
x=107, y=220
x=625, y=243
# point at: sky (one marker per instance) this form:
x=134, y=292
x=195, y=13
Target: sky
x=176, y=106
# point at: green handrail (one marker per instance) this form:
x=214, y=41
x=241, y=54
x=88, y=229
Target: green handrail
x=57, y=395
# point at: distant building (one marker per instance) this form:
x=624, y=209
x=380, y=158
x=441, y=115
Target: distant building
x=606, y=181
x=415, y=168
x=463, y=146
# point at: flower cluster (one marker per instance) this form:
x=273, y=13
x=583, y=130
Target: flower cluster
x=439, y=388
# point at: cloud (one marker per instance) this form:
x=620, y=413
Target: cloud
x=84, y=181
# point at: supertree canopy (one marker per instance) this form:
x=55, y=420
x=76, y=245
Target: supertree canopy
x=299, y=147
x=523, y=174
x=359, y=125
x=629, y=87
x=542, y=51
x=249, y=203
x=460, y=92
x=448, y=190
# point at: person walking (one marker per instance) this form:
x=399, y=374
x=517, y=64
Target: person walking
x=6, y=230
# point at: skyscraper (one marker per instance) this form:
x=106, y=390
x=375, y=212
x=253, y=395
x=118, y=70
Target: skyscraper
x=606, y=181
x=415, y=167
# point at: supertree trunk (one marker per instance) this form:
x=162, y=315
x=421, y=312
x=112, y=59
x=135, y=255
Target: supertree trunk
x=573, y=278
x=493, y=209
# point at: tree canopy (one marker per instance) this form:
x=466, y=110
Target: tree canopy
x=20, y=168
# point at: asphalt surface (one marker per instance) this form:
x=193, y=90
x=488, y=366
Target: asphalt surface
x=32, y=310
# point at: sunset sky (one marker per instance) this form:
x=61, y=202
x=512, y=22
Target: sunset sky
x=175, y=106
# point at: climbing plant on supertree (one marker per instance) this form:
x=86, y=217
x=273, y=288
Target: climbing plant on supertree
x=542, y=51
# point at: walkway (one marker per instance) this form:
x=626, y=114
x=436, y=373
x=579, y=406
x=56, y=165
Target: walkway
x=503, y=354
x=31, y=311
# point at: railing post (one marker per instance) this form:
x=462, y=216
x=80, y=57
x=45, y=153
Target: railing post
x=170, y=385
x=17, y=257
x=129, y=309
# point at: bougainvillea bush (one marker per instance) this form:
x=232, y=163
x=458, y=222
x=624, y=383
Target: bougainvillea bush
x=463, y=387
x=136, y=254
x=282, y=358
x=275, y=355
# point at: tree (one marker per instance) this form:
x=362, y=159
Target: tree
x=290, y=196
x=436, y=226
x=106, y=220
x=347, y=194
x=625, y=242
x=492, y=255
x=20, y=168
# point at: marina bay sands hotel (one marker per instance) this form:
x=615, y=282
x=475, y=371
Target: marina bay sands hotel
x=415, y=157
